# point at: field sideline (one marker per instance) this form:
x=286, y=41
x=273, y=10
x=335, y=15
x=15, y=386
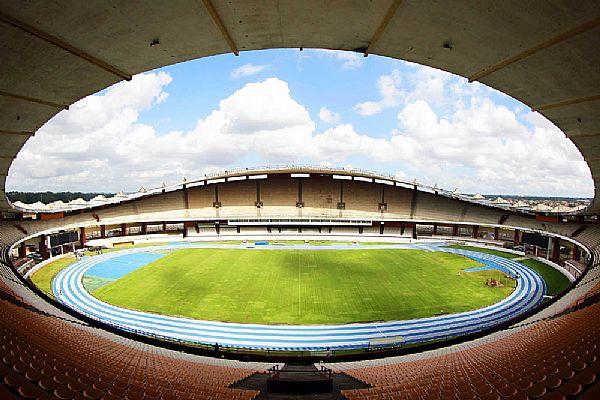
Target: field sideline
x=305, y=286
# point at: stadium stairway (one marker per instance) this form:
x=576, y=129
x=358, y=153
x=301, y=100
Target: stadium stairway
x=341, y=382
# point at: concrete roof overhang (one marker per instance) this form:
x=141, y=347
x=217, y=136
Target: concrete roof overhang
x=544, y=54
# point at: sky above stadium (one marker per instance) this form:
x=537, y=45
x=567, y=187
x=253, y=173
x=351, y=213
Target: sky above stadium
x=276, y=107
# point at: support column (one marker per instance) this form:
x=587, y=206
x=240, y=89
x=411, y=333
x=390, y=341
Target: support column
x=576, y=253
x=44, y=248
x=82, y=236
x=103, y=231
x=164, y=227
x=144, y=228
x=258, y=202
x=22, y=250
x=186, y=197
x=496, y=233
x=555, y=250
x=475, y=231
x=123, y=229
x=299, y=202
x=435, y=228
x=454, y=230
x=188, y=225
x=517, y=238
x=414, y=232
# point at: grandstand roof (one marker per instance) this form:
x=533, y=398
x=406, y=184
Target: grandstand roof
x=546, y=56
x=262, y=173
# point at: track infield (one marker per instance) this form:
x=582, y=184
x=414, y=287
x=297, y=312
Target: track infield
x=306, y=286
x=69, y=289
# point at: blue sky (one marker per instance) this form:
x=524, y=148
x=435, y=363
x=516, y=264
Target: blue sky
x=315, y=80
x=315, y=106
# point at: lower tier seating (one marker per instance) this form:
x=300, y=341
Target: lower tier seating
x=43, y=356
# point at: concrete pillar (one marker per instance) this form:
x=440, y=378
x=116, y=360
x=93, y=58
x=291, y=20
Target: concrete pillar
x=22, y=250
x=435, y=228
x=475, y=231
x=555, y=250
x=517, y=238
x=123, y=229
x=188, y=225
x=44, y=248
x=82, y=236
x=164, y=228
x=496, y=233
x=576, y=253
x=144, y=228
x=103, y=231
x=186, y=197
x=454, y=230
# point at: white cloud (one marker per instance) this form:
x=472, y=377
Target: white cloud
x=247, y=70
x=100, y=144
x=423, y=83
x=348, y=59
x=485, y=148
x=327, y=116
x=388, y=87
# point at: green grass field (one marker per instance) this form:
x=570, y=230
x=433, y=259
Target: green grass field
x=556, y=282
x=304, y=286
x=44, y=276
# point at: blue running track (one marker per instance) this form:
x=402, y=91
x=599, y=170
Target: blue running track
x=68, y=289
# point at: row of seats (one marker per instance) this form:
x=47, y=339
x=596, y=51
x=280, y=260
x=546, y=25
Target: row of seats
x=554, y=359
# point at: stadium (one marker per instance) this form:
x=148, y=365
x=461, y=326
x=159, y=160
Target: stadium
x=299, y=280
